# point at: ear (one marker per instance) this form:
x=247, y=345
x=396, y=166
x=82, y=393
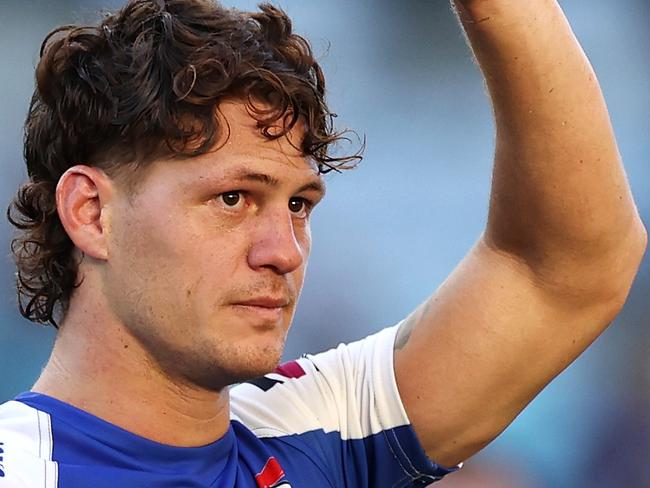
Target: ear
x=82, y=195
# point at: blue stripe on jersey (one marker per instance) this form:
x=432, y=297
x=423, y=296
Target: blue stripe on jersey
x=88, y=448
x=379, y=460
x=93, y=452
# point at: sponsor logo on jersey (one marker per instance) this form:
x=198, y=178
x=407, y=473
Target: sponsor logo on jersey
x=290, y=370
x=271, y=475
x=2, y=459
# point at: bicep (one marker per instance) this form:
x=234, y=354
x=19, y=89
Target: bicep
x=479, y=350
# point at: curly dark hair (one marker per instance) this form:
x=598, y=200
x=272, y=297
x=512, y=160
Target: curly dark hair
x=144, y=84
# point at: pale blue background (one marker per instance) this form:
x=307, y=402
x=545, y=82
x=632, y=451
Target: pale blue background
x=389, y=232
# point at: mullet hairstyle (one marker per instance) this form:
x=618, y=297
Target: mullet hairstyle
x=145, y=84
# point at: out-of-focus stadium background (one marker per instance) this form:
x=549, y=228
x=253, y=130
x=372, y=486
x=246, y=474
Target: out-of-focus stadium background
x=400, y=74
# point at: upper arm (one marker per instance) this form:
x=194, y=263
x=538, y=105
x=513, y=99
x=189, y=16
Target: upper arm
x=488, y=340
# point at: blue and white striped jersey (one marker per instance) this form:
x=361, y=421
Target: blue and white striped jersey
x=329, y=420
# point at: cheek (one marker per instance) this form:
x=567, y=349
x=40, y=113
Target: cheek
x=149, y=248
x=149, y=261
x=305, y=241
x=298, y=276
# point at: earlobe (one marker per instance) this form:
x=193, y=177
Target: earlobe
x=82, y=194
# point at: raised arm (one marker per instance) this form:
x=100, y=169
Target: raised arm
x=561, y=247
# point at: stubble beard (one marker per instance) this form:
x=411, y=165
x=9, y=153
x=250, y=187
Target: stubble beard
x=211, y=365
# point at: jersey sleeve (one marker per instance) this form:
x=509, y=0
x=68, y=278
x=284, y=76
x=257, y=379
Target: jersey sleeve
x=342, y=409
x=26, y=448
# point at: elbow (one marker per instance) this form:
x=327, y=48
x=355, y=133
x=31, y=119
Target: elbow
x=631, y=249
x=608, y=275
x=623, y=262
x=640, y=238
x=597, y=270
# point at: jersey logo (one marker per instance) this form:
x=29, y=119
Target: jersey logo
x=290, y=370
x=2, y=459
x=264, y=383
x=271, y=476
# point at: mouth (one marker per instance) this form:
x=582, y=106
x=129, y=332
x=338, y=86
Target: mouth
x=265, y=309
x=265, y=302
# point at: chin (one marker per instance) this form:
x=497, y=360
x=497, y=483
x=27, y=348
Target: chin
x=235, y=364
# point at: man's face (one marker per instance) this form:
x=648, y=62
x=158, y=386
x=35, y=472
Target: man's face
x=207, y=257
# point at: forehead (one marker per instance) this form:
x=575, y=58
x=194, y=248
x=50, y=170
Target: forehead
x=241, y=141
x=240, y=149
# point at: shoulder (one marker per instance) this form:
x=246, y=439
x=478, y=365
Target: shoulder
x=335, y=391
x=342, y=410
x=25, y=447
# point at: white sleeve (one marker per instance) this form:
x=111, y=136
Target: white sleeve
x=350, y=390
x=26, y=448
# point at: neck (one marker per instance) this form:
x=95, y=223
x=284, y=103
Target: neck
x=97, y=366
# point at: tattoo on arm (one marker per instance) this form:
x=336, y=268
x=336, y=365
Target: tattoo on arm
x=407, y=327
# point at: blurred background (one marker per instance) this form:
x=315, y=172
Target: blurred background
x=399, y=73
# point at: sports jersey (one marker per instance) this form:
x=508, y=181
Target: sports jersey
x=329, y=420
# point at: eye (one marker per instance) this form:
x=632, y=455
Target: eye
x=300, y=207
x=232, y=199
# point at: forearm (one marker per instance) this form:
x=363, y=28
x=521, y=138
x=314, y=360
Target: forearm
x=559, y=190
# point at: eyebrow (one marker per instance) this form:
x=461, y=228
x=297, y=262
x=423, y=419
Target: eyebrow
x=268, y=180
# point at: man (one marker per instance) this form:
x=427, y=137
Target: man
x=175, y=153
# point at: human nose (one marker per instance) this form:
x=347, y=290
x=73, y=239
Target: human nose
x=276, y=246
